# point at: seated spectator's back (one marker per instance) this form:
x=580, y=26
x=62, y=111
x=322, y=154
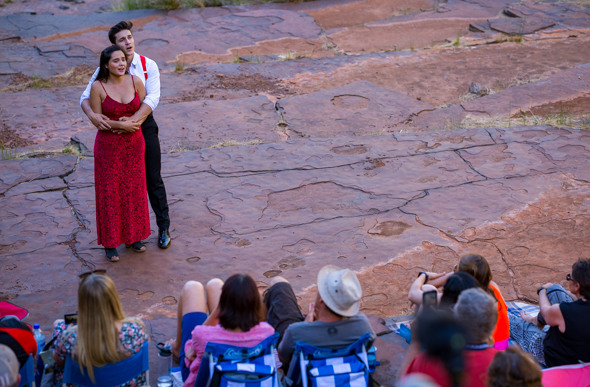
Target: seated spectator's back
x=333, y=321
x=18, y=336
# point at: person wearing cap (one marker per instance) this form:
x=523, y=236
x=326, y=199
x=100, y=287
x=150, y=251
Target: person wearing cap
x=9, y=376
x=333, y=320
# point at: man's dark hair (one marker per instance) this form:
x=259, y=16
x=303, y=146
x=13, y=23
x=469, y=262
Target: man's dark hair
x=581, y=274
x=240, y=305
x=120, y=26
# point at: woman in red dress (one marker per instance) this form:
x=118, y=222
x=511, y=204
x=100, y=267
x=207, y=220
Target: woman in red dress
x=119, y=167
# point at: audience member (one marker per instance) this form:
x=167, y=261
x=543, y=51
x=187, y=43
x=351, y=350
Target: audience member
x=568, y=339
x=478, y=267
x=333, y=321
x=9, y=376
x=447, y=292
x=235, y=318
x=103, y=334
x=514, y=368
x=19, y=337
x=477, y=312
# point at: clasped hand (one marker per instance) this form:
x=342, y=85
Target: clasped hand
x=127, y=125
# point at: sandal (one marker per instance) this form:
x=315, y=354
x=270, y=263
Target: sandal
x=138, y=247
x=112, y=254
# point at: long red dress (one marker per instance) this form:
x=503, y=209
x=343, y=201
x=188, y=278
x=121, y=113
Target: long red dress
x=119, y=180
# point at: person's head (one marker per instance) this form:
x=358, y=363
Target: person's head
x=514, y=367
x=9, y=376
x=99, y=308
x=478, y=311
x=339, y=290
x=112, y=61
x=240, y=304
x=580, y=278
x=120, y=34
x=454, y=286
x=443, y=338
x=478, y=267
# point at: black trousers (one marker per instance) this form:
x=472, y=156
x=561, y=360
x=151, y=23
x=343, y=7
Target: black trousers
x=153, y=165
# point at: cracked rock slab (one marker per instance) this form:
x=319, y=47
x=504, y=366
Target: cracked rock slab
x=359, y=108
x=15, y=172
x=537, y=97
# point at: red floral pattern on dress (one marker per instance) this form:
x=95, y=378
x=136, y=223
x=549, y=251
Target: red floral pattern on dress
x=119, y=179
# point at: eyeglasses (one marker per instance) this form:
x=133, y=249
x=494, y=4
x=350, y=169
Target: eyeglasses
x=96, y=271
x=569, y=277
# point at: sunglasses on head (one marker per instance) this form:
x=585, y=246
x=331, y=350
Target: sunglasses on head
x=96, y=271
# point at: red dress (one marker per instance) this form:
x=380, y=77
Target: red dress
x=119, y=180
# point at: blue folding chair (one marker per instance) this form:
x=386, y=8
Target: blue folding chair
x=27, y=373
x=228, y=365
x=109, y=375
x=315, y=366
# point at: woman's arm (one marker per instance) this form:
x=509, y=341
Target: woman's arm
x=416, y=291
x=97, y=95
x=139, y=87
x=551, y=313
x=213, y=318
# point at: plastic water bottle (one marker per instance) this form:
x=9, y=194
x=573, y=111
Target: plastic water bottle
x=39, y=337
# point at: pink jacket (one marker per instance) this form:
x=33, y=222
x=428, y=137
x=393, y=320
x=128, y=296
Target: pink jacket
x=203, y=334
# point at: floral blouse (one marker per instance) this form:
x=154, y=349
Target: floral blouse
x=132, y=337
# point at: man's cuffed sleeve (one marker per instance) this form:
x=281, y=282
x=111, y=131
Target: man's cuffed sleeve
x=86, y=93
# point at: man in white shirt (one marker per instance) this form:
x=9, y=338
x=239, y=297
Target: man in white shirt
x=147, y=70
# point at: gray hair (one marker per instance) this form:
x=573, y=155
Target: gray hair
x=8, y=367
x=479, y=313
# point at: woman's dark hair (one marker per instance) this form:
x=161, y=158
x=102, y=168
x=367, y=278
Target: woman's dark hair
x=240, y=304
x=581, y=275
x=105, y=57
x=454, y=286
x=443, y=338
x=120, y=26
x=514, y=368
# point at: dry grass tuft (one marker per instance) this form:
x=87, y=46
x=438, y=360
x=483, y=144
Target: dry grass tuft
x=78, y=75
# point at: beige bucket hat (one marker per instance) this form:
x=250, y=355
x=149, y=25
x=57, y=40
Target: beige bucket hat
x=340, y=290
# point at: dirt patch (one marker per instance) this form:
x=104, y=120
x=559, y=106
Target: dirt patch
x=224, y=87
x=78, y=75
x=11, y=140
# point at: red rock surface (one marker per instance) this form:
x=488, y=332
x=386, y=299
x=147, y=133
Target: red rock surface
x=297, y=135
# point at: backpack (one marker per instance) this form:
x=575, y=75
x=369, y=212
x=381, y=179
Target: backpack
x=228, y=365
x=314, y=366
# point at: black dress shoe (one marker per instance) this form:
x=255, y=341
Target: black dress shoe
x=164, y=239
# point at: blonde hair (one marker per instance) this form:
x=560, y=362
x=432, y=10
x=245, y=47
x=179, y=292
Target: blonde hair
x=99, y=308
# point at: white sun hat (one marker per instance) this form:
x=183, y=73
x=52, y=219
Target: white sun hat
x=340, y=290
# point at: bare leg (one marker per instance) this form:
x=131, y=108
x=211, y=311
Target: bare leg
x=192, y=299
x=213, y=289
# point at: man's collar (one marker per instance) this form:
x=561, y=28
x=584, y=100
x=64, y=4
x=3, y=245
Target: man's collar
x=134, y=60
